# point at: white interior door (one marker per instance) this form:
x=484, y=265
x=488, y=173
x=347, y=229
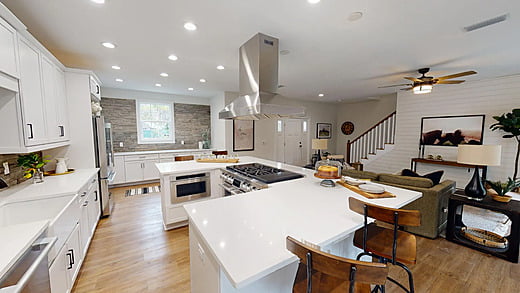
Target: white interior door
x=293, y=141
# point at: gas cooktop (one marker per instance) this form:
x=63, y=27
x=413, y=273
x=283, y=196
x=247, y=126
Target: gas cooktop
x=264, y=173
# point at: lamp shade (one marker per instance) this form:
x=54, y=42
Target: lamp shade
x=479, y=155
x=319, y=144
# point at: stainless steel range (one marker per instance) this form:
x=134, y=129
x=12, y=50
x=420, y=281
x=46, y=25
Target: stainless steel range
x=244, y=178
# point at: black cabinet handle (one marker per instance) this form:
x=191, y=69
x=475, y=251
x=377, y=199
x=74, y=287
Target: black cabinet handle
x=85, y=203
x=62, y=130
x=96, y=198
x=70, y=261
x=31, y=136
x=73, y=257
x=97, y=89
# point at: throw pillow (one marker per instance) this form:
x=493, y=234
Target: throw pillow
x=435, y=177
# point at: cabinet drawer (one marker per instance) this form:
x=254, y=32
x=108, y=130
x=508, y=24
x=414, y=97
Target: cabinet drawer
x=141, y=157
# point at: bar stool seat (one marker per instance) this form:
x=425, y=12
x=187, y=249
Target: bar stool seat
x=380, y=241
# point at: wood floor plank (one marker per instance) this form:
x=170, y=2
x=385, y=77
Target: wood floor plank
x=130, y=252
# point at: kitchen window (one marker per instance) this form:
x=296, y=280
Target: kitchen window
x=155, y=123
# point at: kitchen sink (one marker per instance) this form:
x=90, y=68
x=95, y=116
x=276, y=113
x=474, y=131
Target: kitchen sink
x=63, y=213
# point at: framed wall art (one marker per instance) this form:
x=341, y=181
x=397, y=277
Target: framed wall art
x=452, y=130
x=324, y=130
x=243, y=135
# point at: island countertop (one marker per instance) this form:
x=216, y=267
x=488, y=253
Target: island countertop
x=247, y=232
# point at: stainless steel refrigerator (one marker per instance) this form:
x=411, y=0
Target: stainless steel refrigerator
x=104, y=161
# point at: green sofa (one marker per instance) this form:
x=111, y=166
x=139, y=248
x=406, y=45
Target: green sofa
x=433, y=205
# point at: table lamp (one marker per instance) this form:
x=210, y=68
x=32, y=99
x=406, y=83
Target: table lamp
x=319, y=144
x=478, y=155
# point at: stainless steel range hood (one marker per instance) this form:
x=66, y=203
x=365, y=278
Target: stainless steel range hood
x=258, y=81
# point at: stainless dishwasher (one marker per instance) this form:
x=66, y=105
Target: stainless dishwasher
x=30, y=273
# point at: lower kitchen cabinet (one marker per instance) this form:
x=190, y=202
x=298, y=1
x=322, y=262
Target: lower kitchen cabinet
x=141, y=170
x=119, y=168
x=204, y=269
x=65, y=267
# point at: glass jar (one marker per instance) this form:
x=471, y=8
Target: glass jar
x=328, y=169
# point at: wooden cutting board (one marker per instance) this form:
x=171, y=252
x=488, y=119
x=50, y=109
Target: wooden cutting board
x=217, y=160
x=356, y=189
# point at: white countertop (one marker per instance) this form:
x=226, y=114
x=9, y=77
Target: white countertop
x=247, y=232
x=52, y=186
x=16, y=239
x=194, y=166
x=161, y=152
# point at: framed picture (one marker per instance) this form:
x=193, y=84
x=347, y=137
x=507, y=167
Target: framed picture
x=323, y=130
x=452, y=130
x=243, y=135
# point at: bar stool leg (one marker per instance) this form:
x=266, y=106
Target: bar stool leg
x=410, y=276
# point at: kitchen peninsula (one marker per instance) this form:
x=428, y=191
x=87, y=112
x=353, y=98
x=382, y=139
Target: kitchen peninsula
x=237, y=243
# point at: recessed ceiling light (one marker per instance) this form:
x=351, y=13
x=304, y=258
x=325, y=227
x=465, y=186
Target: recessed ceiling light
x=321, y=95
x=173, y=57
x=158, y=85
x=164, y=74
x=355, y=16
x=190, y=26
x=190, y=88
x=313, y=1
x=202, y=80
x=98, y=1
x=116, y=67
x=119, y=80
x=221, y=67
x=108, y=45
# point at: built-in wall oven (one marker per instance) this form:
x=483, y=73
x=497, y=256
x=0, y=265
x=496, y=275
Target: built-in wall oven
x=189, y=187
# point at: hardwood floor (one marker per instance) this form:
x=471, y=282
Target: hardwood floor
x=130, y=252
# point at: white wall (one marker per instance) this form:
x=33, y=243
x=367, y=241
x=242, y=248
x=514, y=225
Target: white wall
x=491, y=97
x=265, y=130
x=218, y=126
x=364, y=115
x=133, y=95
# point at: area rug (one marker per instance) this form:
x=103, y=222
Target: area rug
x=142, y=190
x=485, y=219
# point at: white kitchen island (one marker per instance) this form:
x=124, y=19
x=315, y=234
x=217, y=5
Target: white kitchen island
x=237, y=243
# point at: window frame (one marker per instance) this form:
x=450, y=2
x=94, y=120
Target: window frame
x=140, y=138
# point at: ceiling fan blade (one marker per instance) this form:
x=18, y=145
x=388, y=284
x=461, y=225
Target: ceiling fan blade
x=407, y=89
x=449, y=81
x=414, y=79
x=457, y=75
x=394, y=85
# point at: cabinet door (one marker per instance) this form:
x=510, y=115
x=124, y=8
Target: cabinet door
x=74, y=254
x=119, y=167
x=61, y=107
x=150, y=171
x=31, y=95
x=51, y=100
x=58, y=271
x=94, y=210
x=204, y=269
x=134, y=171
x=8, y=49
x=84, y=226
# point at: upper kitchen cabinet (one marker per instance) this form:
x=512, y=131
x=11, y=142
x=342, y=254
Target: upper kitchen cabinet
x=54, y=94
x=8, y=50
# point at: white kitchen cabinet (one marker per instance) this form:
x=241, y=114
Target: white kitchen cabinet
x=31, y=94
x=94, y=210
x=134, y=171
x=75, y=255
x=141, y=168
x=119, y=168
x=84, y=228
x=150, y=171
x=62, y=105
x=55, y=101
x=8, y=50
x=58, y=271
x=204, y=270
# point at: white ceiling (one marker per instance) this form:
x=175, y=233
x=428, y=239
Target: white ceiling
x=328, y=53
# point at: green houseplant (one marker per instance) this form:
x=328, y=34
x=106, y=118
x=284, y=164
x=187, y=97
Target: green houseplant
x=33, y=164
x=501, y=188
x=510, y=124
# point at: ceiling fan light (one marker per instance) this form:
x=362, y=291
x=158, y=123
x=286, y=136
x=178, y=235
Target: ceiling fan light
x=422, y=89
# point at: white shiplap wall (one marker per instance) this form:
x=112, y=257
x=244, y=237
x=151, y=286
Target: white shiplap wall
x=491, y=97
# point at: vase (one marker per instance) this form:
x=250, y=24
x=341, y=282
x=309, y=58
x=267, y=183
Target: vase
x=38, y=176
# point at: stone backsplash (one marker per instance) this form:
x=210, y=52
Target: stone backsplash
x=190, y=122
x=16, y=173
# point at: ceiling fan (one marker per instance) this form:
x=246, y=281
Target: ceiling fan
x=424, y=84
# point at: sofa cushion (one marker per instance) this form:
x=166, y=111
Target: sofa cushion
x=406, y=180
x=435, y=177
x=360, y=174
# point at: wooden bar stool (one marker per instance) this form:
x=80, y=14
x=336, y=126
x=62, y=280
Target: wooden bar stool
x=220, y=153
x=184, y=158
x=321, y=272
x=389, y=245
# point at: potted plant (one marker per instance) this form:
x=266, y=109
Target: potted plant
x=510, y=124
x=502, y=188
x=33, y=164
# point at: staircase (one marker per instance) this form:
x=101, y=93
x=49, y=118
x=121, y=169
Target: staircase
x=373, y=143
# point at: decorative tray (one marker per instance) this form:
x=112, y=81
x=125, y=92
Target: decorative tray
x=356, y=189
x=53, y=173
x=484, y=237
x=217, y=160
